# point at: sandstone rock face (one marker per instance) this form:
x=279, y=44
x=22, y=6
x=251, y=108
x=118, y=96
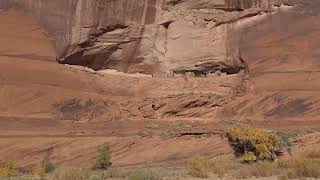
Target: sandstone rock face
x=4, y=4
x=158, y=37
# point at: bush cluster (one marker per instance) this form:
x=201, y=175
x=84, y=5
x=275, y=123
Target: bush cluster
x=8, y=169
x=254, y=144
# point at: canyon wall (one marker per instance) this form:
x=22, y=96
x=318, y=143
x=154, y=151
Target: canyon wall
x=158, y=37
x=4, y=4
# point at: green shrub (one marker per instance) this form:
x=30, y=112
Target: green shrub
x=144, y=174
x=198, y=167
x=8, y=170
x=250, y=141
x=103, y=158
x=47, y=166
x=70, y=173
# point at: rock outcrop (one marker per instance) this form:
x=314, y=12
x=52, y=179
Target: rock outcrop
x=4, y=4
x=158, y=37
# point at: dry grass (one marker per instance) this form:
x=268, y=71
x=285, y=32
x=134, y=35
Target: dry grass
x=144, y=174
x=180, y=125
x=259, y=169
x=305, y=166
x=301, y=168
x=198, y=167
x=163, y=173
x=71, y=173
x=222, y=166
x=153, y=126
x=315, y=154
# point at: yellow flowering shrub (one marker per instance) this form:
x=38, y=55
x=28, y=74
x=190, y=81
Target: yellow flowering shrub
x=8, y=170
x=253, y=143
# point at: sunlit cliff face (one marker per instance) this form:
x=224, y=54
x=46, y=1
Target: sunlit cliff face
x=148, y=36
